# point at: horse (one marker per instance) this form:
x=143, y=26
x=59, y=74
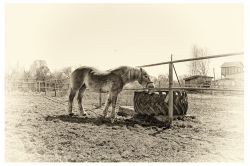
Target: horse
x=111, y=81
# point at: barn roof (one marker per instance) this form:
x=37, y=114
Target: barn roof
x=196, y=76
x=232, y=64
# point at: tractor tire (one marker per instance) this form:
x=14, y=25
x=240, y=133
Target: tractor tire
x=157, y=103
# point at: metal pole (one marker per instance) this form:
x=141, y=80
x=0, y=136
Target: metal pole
x=170, y=101
x=177, y=76
x=212, y=92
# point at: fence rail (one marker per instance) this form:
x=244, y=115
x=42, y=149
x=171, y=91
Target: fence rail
x=12, y=85
x=193, y=59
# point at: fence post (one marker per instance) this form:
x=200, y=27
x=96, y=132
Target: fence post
x=35, y=85
x=100, y=99
x=39, y=86
x=45, y=87
x=55, y=88
x=170, y=101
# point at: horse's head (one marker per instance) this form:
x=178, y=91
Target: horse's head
x=145, y=80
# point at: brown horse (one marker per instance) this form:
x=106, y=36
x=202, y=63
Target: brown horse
x=111, y=81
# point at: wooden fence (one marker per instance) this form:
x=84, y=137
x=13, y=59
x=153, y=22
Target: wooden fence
x=37, y=86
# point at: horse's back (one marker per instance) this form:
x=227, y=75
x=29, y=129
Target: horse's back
x=99, y=80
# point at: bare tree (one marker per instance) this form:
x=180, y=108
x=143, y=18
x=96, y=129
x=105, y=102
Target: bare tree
x=26, y=75
x=39, y=70
x=199, y=67
x=15, y=73
x=61, y=74
x=162, y=81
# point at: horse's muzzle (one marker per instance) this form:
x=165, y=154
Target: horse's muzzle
x=150, y=86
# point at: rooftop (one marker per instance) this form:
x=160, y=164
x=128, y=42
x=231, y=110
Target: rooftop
x=196, y=76
x=232, y=64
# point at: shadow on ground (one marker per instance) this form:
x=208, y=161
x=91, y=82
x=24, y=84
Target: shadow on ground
x=140, y=120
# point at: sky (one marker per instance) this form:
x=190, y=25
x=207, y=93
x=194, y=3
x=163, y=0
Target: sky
x=110, y=35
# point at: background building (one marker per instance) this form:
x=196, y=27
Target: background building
x=198, y=81
x=232, y=75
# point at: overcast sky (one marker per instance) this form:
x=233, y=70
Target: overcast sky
x=110, y=35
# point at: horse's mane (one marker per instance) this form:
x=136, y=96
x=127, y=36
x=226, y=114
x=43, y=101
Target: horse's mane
x=96, y=71
x=120, y=70
x=126, y=73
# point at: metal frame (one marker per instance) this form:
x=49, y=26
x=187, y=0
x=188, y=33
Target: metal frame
x=171, y=88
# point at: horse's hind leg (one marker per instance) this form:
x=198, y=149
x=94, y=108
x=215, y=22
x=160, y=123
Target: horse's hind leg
x=113, y=99
x=79, y=99
x=107, y=104
x=71, y=98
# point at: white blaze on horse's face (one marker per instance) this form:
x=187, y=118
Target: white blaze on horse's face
x=145, y=80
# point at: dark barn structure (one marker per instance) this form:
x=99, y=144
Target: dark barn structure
x=198, y=81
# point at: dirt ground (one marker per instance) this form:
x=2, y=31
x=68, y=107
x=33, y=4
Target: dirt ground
x=38, y=129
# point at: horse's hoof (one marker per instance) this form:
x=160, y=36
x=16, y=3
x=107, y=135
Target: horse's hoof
x=112, y=120
x=71, y=114
x=104, y=115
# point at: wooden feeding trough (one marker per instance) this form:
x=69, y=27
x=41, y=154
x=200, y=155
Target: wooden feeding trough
x=157, y=103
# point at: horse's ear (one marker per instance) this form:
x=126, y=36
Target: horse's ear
x=141, y=70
